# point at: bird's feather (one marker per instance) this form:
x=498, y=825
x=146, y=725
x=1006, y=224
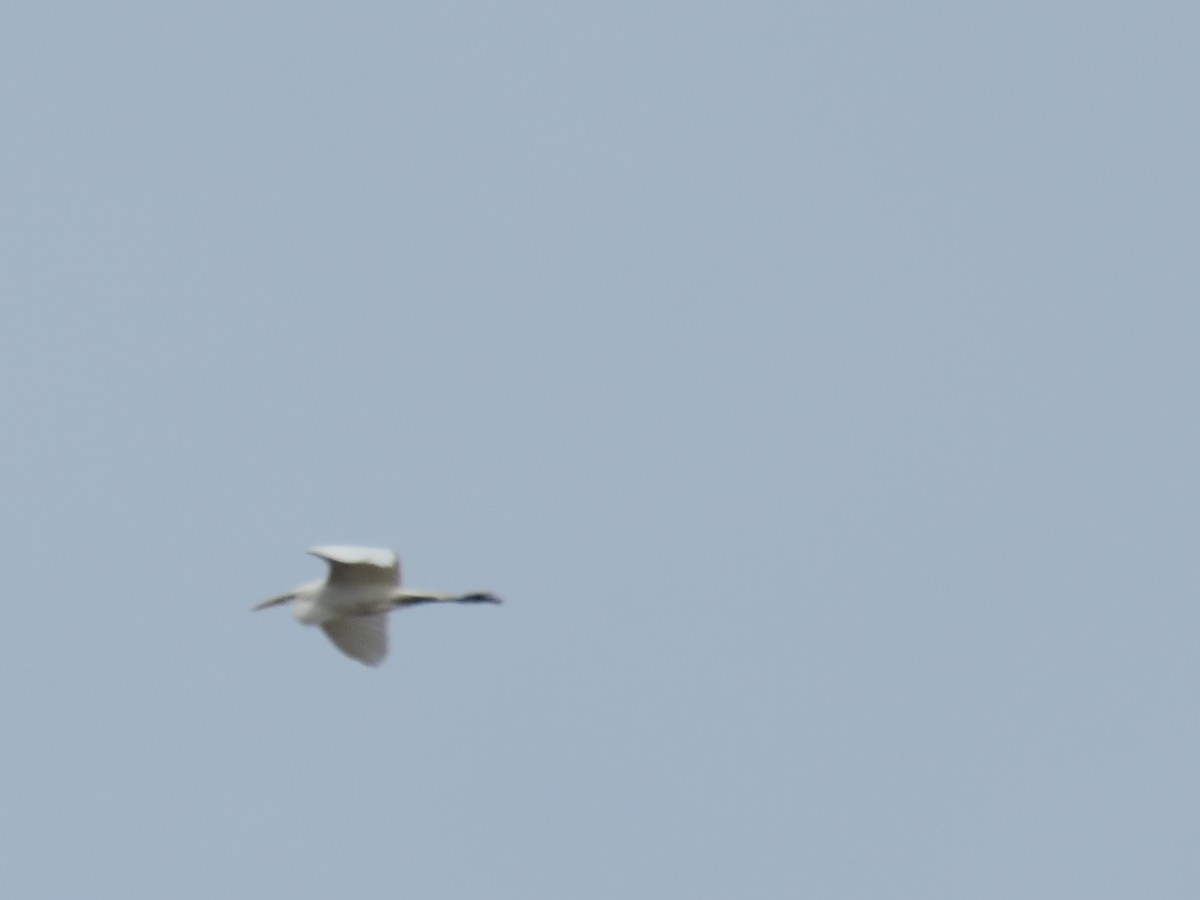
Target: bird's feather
x=364, y=638
x=359, y=565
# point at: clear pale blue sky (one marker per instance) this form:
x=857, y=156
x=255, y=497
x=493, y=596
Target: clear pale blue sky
x=817, y=383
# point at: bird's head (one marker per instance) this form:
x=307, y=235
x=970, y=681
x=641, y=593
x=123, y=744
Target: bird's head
x=275, y=601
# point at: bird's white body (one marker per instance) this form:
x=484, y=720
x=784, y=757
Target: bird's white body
x=352, y=603
x=319, y=602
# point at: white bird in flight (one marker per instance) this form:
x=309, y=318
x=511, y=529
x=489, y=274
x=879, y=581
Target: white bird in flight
x=351, y=604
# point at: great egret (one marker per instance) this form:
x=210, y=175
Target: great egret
x=352, y=603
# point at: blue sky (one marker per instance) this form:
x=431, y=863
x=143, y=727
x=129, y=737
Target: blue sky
x=816, y=384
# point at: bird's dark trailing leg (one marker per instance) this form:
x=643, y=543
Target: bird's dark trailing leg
x=406, y=599
x=478, y=598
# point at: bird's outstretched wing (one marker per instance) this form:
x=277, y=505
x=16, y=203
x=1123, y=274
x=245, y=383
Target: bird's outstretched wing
x=364, y=638
x=360, y=565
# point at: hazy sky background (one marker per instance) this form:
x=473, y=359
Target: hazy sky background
x=816, y=381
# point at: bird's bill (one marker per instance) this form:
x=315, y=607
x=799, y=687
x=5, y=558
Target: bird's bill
x=275, y=601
